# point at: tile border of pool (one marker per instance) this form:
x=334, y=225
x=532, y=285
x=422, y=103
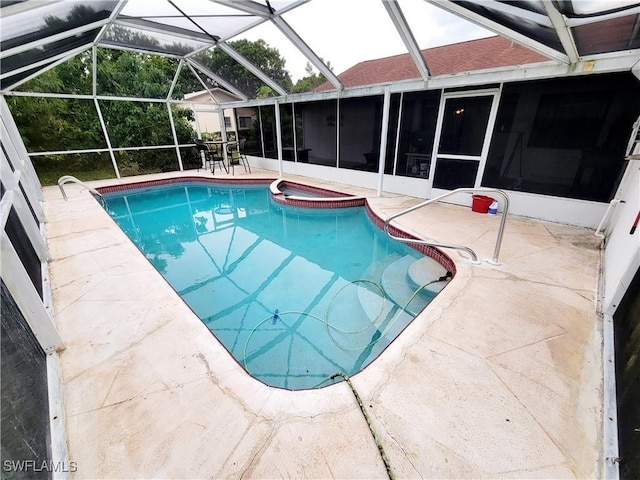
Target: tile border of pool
x=346, y=201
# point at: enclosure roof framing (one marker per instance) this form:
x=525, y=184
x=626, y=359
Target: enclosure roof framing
x=38, y=34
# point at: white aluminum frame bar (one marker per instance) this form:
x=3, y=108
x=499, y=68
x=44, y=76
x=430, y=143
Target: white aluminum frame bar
x=5, y=208
x=338, y=132
x=11, y=182
x=101, y=150
x=516, y=11
x=251, y=67
x=32, y=189
x=295, y=136
x=94, y=71
x=53, y=38
x=143, y=25
x=398, y=130
x=488, y=135
x=258, y=9
x=114, y=46
x=175, y=136
x=404, y=30
x=106, y=137
x=501, y=29
x=114, y=14
x=20, y=7
x=196, y=64
x=223, y=134
x=204, y=85
x=247, y=6
x=66, y=55
x=300, y=44
x=261, y=130
x=575, y=22
x=278, y=136
x=12, y=140
x=176, y=76
x=383, y=139
x=562, y=30
x=27, y=298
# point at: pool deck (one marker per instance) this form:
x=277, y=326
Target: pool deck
x=499, y=377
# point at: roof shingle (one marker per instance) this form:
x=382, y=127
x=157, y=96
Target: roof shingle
x=485, y=53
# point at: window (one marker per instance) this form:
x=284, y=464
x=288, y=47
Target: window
x=244, y=122
x=227, y=122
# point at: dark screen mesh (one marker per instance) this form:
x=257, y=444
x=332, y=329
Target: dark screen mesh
x=626, y=323
x=25, y=406
x=24, y=249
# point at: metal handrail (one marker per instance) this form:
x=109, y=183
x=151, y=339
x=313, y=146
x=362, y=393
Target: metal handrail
x=71, y=179
x=605, y=218
x=474, y=257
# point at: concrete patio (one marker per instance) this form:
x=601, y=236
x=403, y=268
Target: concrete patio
x=499, y=377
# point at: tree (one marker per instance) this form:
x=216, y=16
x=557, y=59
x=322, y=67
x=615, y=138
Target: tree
x=49, y=124
x=310, y=81
x=259, y=53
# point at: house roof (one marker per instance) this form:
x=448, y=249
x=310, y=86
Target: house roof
x=485, y=53
x=220, y=95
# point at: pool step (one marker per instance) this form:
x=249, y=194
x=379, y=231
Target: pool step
x=424, y=270
x=371, y=298
x=403, y=277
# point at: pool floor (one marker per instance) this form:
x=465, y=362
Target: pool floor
x=498, y=378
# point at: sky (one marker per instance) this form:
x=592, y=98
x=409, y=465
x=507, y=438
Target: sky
x=346, y=32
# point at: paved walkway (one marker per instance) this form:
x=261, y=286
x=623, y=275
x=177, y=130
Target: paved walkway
x=500, y=377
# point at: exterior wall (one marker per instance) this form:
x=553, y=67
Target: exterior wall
x=627, y=334
x=622, y=248
x=564, y=175
x=207, y=117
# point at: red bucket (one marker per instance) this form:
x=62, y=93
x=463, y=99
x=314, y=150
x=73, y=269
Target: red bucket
x=481, y=203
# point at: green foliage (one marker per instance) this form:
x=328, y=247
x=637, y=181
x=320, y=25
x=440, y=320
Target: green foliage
x=263, y=56
x=50, y=124
x=308, y=83
x=128, y=74
x=86, y=166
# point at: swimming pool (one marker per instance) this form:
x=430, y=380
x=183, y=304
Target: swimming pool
x=294, y=294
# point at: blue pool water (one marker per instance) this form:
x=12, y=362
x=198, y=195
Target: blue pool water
x=295, y=295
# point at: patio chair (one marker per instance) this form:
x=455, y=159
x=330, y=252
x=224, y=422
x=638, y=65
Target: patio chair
x=211, y=156
x=242, y=157
x=232, y=148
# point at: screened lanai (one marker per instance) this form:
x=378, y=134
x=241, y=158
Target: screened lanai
x=404, y=99
x=199, y=42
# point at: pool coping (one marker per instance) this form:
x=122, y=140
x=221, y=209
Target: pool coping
x=304, y=433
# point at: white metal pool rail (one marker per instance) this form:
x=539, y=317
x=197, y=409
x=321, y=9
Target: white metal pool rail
x=474, y=257
x=72, y=179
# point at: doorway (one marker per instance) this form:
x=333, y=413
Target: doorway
x=465, y=123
